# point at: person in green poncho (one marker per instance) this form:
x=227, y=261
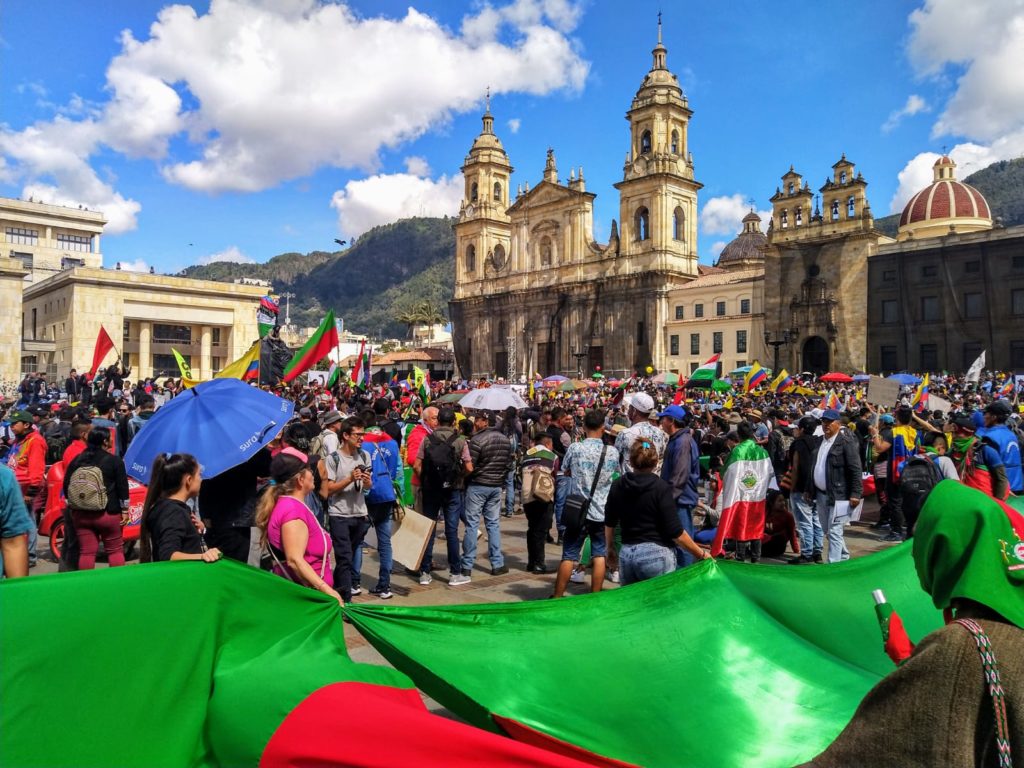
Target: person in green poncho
x=937, y=708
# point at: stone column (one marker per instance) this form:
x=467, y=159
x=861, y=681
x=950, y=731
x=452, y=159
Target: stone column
x=205, y=364
x=145, y=365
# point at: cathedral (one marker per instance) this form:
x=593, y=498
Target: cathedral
x=535, y=293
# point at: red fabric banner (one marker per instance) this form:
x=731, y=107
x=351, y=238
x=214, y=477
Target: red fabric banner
x=103, y=345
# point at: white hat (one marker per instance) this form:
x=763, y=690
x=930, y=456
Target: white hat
x=816, y=412
x=642, y=402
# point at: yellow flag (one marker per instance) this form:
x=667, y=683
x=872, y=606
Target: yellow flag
x=183, y=367
x=728, y=402
x=246, y=368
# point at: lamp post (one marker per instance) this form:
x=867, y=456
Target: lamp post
x=579, y=355
x=287, y=296
x=775, y=344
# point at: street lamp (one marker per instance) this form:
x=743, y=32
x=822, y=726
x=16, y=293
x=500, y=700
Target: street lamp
x=580, y=355
x=786, y=339
x=287, y=296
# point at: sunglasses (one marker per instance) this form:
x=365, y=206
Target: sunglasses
x=125, y=410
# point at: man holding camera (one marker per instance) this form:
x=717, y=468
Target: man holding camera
x=347, y=475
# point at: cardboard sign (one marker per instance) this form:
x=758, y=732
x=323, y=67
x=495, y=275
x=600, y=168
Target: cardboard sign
x=882, y=392
x=936, y=403
x=409, y=536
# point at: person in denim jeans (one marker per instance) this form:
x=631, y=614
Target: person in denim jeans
x=380, y=519
x=645, y=507
x=681, y=469
x=801, y=497
x=562, y=423
x=490, y=453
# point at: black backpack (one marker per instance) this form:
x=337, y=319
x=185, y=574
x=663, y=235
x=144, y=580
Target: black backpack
x=441, y=463
x=920, y=474
x=57, y=440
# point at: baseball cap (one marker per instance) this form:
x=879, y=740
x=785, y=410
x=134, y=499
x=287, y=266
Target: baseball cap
x=887, y=419
x=830, y=414
x=23, y=416
x=676, y=412
x=999, y=408
x=642, y=402
x=965, y=423
x=305, y=413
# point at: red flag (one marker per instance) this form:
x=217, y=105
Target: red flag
x=323, y=340
x=103, y=345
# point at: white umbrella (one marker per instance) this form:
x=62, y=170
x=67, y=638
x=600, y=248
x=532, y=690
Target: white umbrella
x=492, y=399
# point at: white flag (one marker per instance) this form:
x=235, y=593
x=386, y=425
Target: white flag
x=974, y=373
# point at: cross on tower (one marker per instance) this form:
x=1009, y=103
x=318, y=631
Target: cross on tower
x=487, y=98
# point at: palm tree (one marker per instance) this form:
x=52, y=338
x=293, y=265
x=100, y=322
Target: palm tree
x=423, y=312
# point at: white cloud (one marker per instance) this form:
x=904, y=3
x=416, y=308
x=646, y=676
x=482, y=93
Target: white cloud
x=367, y=84
x=513, y=125
x=914, y=105
x=139, y=265
x=982, y=44
x=231, y=253
x=417, y=166
x=381, y=199
x=723, y=215
x=718, y=247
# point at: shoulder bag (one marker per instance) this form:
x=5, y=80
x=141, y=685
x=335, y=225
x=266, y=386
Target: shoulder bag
x=574, y=513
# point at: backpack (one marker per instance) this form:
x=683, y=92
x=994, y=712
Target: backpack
x=441, y=463
x=778, y=447
x=316, y=446
x=383, y=489
x=56, y=443
x=87, y=492
x=920, y=475
x=538, y=484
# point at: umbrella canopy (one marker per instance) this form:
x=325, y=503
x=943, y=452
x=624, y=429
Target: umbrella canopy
x=222, y=422
x=836, y=377
x=554, y=379
x=905, y=379
x=721, y=385
x=861, y=377
x=667, y=378
x=452, y=397
x=744, y=370
x=578, y=384
x=613, y=382
x=492, y=399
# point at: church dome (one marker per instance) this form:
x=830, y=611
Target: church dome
x=747, y=249
x=944, y=206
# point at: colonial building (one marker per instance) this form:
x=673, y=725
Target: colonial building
x=535, y=293
x=722, y=311
x=816, y=270
x=952, y=286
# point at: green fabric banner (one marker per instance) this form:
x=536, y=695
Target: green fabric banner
x=169, y=664
x=722, y=663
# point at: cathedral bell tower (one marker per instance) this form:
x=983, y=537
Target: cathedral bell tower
x=658, y=194
x=483, y=232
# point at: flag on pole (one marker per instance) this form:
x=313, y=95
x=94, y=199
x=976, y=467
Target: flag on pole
x=317, y=348
x=365, y=383
x=333, y=374
x=355, y=375
x=421, y=384
x=183, y=367
x=920, y=400
x=103, y=345
x=707, y=372
x=1007, y=389
x=246, y=368
x=974, y=372
x=745, y=480
x=728, y=403
x=832, y=401
x=394, y=376
x=754, y=378
x=782, y=383
x=266, y=315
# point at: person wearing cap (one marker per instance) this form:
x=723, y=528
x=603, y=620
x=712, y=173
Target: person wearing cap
x=997, y=431
x=640, y=406
x=938, y=707
x=837, y=482
x=977, y=459
x=27, y=459
x=802, y=498
x=681, y=469
x=329, y=441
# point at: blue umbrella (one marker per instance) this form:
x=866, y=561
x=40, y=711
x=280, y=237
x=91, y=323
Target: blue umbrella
x=905, y=379
x=222, y=423
x=861, y=377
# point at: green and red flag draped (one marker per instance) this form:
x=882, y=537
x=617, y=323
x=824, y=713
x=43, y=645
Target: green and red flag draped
x=686, y=648
x=323, y=340
x=746, y=476
x=189, y=663
x=706, y=374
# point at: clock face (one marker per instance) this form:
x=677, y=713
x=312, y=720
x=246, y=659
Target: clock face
x=470, y=209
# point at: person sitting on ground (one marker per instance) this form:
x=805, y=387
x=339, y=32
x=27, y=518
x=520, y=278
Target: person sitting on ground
x=779, y=527
x=170, y=530
x=644, y=505
x=297, y=542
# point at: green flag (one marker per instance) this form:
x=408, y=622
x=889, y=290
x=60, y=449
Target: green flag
x=183, y=366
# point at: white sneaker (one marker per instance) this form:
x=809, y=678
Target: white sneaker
x=578, y=577
x=357, y=590
x=458, y=580
x=615, y=577
x=425, y=579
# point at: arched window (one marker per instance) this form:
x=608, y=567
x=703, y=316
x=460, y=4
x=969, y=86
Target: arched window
x=835, y=210
x=842, y=177
x=497, y=191
x=473, y=192
x=642, y=224
x=791, y=187
x=851, y=208
x=645, y=142
x=471, y=257
x=799, y=218
x=675, y=142
x=499, y=256
x=784, y=219
x=545, y=252
x=679, y=224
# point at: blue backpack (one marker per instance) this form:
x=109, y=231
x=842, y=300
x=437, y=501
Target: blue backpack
x=383, y=489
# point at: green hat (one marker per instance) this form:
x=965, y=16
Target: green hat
x=967, y=546
x=17, y=416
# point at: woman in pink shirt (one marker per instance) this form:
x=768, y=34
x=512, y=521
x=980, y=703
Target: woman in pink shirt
x=297, y=542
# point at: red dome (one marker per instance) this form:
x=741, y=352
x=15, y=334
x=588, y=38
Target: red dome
x=945, y=198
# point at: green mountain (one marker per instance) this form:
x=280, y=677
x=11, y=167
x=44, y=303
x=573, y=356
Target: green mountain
x=1001, y=183
x=390, y=272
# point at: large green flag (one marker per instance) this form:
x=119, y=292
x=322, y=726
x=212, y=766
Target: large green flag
x=721, y=663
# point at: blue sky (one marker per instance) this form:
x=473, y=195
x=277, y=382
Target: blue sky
x=246, y=129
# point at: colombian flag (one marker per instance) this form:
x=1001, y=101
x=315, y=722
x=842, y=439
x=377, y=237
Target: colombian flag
x=755, y=377
x=783, y=382
x=920, y=399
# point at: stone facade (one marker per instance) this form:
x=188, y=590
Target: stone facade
x=46, y=239
x=209, y=323
x=12, y=283
x=535, y=293
x=816, y=270
x=935, y=303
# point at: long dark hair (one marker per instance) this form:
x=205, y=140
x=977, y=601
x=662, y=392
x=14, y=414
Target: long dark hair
x=166, y=477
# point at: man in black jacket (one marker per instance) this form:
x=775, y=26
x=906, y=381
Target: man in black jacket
x=801, y=495
x=72, y=386
x=837, y=482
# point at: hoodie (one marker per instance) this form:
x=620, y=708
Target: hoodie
x=644, y=505
x=385, y=464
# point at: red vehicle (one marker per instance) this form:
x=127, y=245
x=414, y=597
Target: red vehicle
x=52, y=524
